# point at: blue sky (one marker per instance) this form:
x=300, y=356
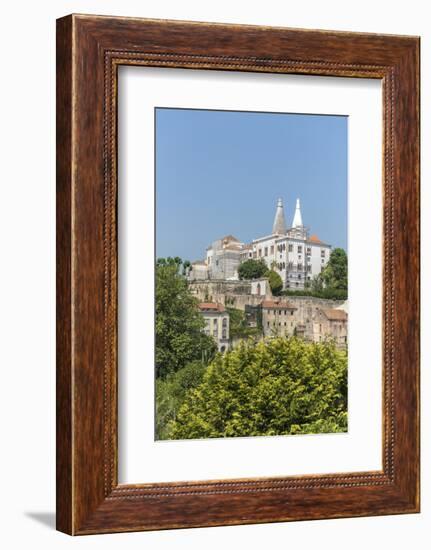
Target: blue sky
x=221, y=172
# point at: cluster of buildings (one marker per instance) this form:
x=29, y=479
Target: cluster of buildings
x=309, y=319
x=297, y=257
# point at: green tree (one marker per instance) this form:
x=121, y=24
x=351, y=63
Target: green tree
x=275, y=282
x=186, y=266
x=238, y=327
x=334, y=274
x=276, y=387
x=171, y=392
x=252, y=269
x=179, y=324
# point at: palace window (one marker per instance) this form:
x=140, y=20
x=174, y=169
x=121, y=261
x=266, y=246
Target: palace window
x=299, y=267
x=266, y=251
x=225, y=322
x=322, y=252
x=309, y=267
x=272, y=249
x=308, y=251
x=224, y=333
x=299, y=249
x=260, y=252
x=290, y=249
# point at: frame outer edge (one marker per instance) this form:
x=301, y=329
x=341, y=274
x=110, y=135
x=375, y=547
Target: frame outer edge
x=81, y=506
x=64, y=368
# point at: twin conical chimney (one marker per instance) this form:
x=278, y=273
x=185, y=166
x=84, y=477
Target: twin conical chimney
x=279, y=226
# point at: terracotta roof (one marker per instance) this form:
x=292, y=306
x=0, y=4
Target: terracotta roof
x=335, y=314
x=277, y=304
x=211, y=306
x=314, y=239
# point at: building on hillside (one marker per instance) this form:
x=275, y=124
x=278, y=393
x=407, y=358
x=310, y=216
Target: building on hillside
x=216, y=323
x=296, y=256
x=278, y=318
x=198, y=270
x=282, y=317
x=331, y=323
x=223, y=258
x=292, y=252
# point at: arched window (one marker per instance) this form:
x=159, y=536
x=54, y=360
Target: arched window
x=224, y=322
x=258, y=292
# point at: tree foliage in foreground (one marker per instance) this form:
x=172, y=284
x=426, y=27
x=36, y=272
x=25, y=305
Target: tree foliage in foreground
x=171, y=392
x=276, y=387
x=179, y=324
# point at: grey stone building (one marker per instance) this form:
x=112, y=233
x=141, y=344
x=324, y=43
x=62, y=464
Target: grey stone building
x=216, y=323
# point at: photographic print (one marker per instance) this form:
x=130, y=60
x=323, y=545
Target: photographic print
x=251, y=274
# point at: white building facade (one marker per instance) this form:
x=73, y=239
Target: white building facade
x=295, y=255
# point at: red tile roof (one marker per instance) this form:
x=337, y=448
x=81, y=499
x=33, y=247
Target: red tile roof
x=335, y=314
x=277, y=304
x=314, y=239
x=211, y=306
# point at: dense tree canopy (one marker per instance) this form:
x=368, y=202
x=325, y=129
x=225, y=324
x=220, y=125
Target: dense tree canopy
x=275, y=282
x=255, y=269
x=252, y=269
x=179, y=336
x=278, y=386
x=334, y=275
x=171, y=392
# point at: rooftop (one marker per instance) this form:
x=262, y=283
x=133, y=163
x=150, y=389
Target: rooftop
x=335, y=314
x=277, y=304
x=211, y=306
x=315, y=239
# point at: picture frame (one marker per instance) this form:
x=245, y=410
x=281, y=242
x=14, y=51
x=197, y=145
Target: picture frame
x=89, y=51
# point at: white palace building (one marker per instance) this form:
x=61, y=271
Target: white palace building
x=292, y=252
